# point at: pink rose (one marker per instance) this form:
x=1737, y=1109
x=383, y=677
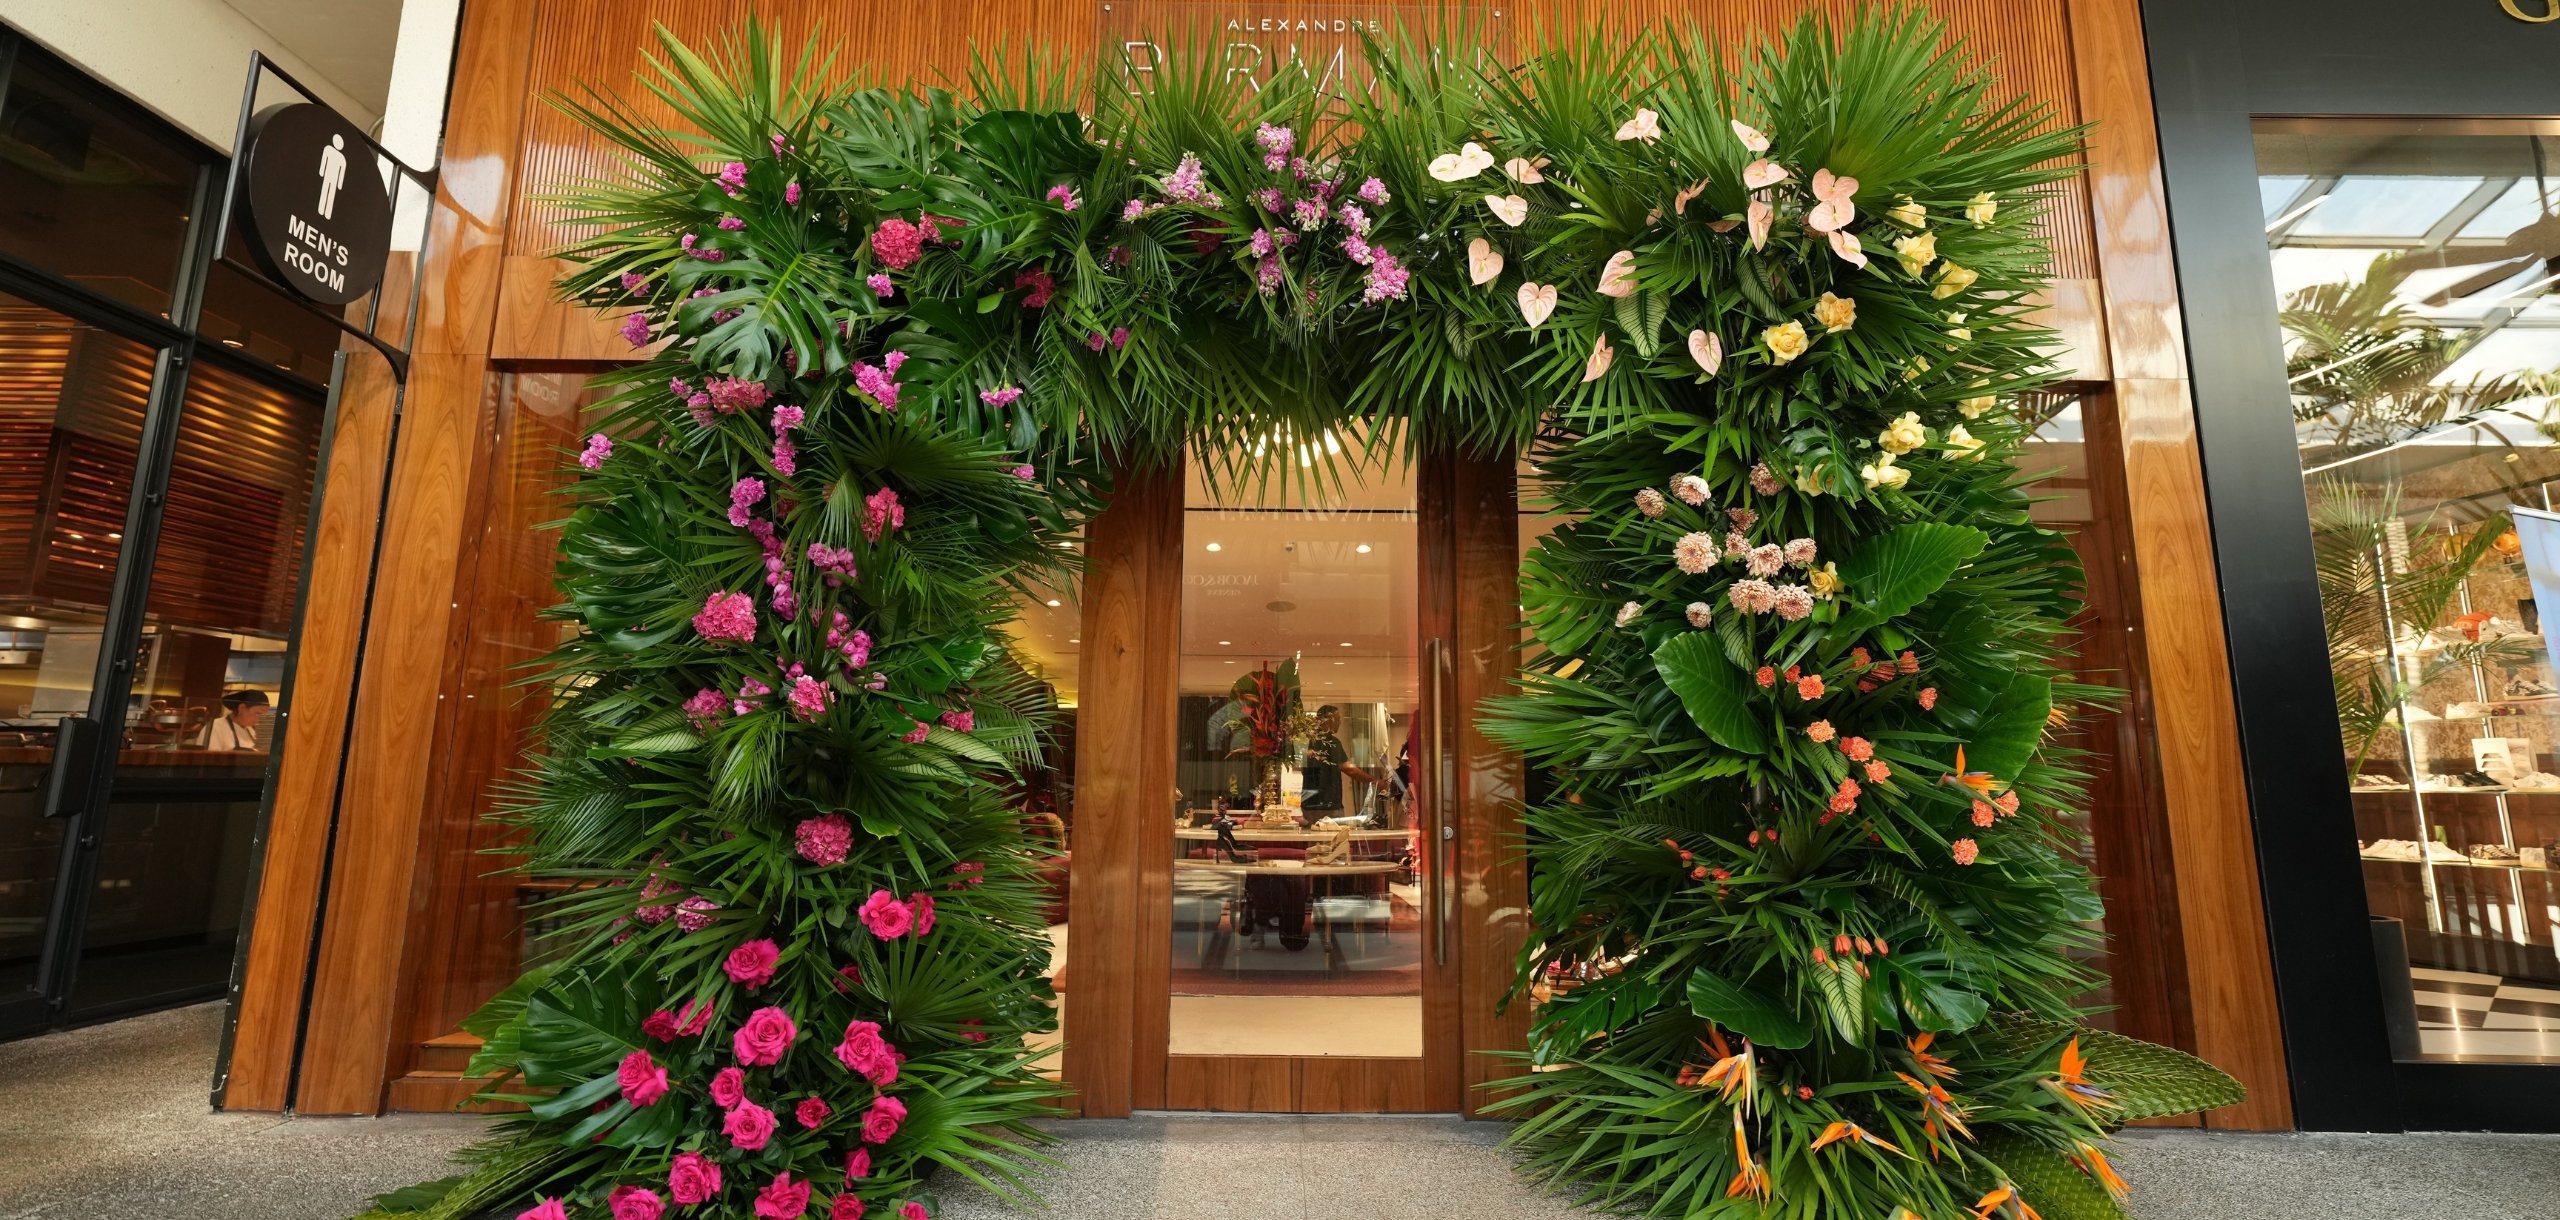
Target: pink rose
x=643, y=1081
x=749, y=1126
x=751, y=965
x=693, y=1018
x=887, y=917
x=782, y=1199
x=922, y=907
x=857, y=1166
x=813, y=1111
x=865, y=1051
x=635, y=1203
x=881, y=1121
x=911, y=1211
x=548, y=1209
x=729, y=1087
x=762, y=1040
x=693, y=1179
x=661, y=1025
x=846, y=1208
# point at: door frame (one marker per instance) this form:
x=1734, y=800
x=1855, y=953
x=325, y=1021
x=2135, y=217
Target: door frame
x=1120, y=891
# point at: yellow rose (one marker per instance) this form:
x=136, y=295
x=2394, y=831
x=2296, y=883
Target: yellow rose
x=1919, y=366
x=1809, y=480
x=1785, y=342
x=1907, y=214
x=1981, y=209
x=1957, y=330
x=1836, y=313
x=1903, y=435
x=1825, y=581
x=1974, y=408
x=1964, y=444
x=1953, y=279
x=1916, y=251
x=1883, y=473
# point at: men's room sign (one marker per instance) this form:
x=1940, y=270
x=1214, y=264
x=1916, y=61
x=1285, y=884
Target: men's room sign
x=317, y=214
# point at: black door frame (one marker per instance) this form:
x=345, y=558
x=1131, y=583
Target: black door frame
x=2215, y=67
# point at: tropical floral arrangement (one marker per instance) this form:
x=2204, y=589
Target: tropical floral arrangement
x=1807, y=902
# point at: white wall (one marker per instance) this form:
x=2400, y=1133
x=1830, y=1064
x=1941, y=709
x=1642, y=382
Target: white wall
x=185, y=59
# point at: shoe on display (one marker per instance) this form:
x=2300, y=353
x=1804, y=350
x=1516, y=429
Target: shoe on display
x=2494, y=854
x=2443, y=854
x=2370, y=782
x=2477, y=710
x=2536, y=781
x=2391, y=849
x=2528, y=688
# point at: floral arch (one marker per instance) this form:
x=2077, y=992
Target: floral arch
x=1805, y=887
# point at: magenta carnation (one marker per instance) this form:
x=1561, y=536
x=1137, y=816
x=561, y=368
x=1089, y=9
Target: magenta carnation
x=635, y=330
x=823, y=840
x=882, y=513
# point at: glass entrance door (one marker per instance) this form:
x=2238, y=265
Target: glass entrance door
x=1303, y=974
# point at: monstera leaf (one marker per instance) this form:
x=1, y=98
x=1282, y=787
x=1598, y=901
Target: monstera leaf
x=1899, y=570
x=1718, y=696
x=1752, y=1013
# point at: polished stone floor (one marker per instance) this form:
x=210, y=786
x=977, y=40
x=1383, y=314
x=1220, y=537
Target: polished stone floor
x=112, y=1121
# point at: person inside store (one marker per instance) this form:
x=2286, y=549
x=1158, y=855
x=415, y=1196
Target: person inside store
x=237, y=727
x=1326, y=765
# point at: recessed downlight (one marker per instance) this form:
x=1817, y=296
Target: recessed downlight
x=1215, y=547
x=1362, y=549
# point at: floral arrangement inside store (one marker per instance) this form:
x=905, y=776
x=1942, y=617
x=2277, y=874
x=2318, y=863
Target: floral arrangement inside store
x=1811, y=922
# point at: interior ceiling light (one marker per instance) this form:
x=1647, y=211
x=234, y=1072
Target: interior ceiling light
x=1225, y=643
x=1053, y=601
x=1362, y=549
x=1215, y=547
x=1346, y=643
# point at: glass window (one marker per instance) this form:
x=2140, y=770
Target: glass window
x=2422, y=362
x=1297, y=913
x=88, y=193
x=1046, y=642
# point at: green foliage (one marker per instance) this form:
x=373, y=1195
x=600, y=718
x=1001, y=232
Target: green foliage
x=901, y=338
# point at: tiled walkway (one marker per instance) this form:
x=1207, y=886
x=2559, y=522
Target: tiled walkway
x=112, y=1122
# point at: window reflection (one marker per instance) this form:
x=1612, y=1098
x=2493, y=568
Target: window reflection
x=1046, y=643
x=85, y=192
x=1297, y=911
x=2421, y=344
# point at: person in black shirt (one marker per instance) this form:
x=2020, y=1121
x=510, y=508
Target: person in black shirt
x=1326, y=765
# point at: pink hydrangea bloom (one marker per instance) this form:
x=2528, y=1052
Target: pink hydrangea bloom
x=812, y=1111
x=765, y=1038
x=643, y=1080
x=599, y=447
x=1374, y=191
x=782, y=1199
x=1000, y=398
x=693, y=1178
x=751, y=965
x=791, y=193
x=694, y=914
x=635, y=1203
x=824, y=840
x=726, y=616
x=1041, y=285
x=1025, y=473
x=786, y=456
x=787, y=417
x=881, y=1122
x=1353, y=218
x=749, y=1126
x=1387, y=279
x=878, y=384
x=1186, y=184
x=898, y=243
x=744, y=495
x=732, y=223
x=918, y=733
x=881, y=285
x=635, y=330
x=887, y=917
x=1309, y=214
x=960, y=720
x=728, y=1087
x=733, y=178
x=882, y=513
x=730, y=395
x=810, y=697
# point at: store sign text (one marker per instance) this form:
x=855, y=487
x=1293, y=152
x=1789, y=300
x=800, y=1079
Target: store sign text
x=2516, y=9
